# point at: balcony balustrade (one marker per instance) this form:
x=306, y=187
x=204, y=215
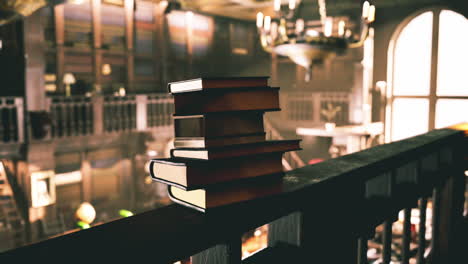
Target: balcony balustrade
x=324, y=214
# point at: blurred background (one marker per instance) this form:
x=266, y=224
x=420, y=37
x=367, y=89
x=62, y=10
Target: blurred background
x=84, y=103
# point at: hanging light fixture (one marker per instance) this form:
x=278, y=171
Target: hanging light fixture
x=305, y=42
x=11, y=10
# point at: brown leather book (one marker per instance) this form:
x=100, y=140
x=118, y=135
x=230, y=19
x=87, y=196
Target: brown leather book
x=227, y=100
x=202, y=142
x=190, y=174
x=207, y=199
x=236, y=150
x=207, y=83
x=219, y=125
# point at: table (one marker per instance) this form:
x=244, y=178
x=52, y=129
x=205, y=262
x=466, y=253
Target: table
x=352, y=137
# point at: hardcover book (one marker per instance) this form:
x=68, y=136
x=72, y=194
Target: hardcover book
x=207, y=199
x=202, y=142
x=190, y=174
x=227, y=100
x=236, y=150
x=219, y=125
x=206, y=83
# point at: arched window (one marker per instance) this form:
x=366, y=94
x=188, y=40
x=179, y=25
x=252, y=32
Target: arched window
x=428, y=74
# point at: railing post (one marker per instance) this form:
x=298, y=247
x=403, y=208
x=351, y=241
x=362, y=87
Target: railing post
x=286, y=229
x=422, y=231
x=98, y=114
x=19, y=103
x=141, y=112
x=227, y=253
x=448, y=211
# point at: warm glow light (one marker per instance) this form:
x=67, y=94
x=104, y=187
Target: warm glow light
x=274, y=30
x=122, y=91
x=328, y=27
x=258, y=233
x=365, y=9
x=466, y=173
x=299, y=25
x=267, y=23
x=371, y=16
x=381, y=85
x=259, y=19
x=152, y=153
x=341, y=28
x=69, y=78
x=77, y=2
x=312, y=33
x=277, y=5
x=163, y=4
x=106, y=69
x=86, y=213
x=292, y=4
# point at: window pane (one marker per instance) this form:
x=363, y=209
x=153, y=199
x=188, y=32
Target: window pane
x=413, y=57
x=453, y=55
x=410, y=117
x=451, y=111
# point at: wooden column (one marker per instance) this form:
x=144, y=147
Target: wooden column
x=160, y=51
x=59, y=19
x=274, y=69
x=129, y=41
x=434, y=64
x=97, y=43
x=189, y=42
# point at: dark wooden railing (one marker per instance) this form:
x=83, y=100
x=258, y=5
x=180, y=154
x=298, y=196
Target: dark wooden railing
x=11, y=124
x=81, y=116
x=324, y=214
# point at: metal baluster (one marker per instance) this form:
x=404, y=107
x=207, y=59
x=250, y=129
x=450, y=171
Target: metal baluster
x=435, y=220
x=2, y=126
x=422, y=231
x=133, y=117
x=79, y=117
x=63, y=119
x=406, y=236
x=71, y=115
x=159, y=112
x=149, y=114
x=387, y=242
x=52, y=126
x=123, y=120
x=11, y=130
x=362, y=253
x=89, y=118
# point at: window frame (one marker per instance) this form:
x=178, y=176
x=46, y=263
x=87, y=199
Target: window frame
x=432, y=97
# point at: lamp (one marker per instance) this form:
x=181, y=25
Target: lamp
x=306, y=42
x=68, y=79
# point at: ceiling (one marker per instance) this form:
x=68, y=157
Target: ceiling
x=247, y=9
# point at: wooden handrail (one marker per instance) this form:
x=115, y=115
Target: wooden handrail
x=328, y=206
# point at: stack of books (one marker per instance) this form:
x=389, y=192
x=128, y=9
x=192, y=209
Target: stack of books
x=221, y=154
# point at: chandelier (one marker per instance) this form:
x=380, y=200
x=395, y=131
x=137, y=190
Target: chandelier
x=11, y=10
x=308, y=43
